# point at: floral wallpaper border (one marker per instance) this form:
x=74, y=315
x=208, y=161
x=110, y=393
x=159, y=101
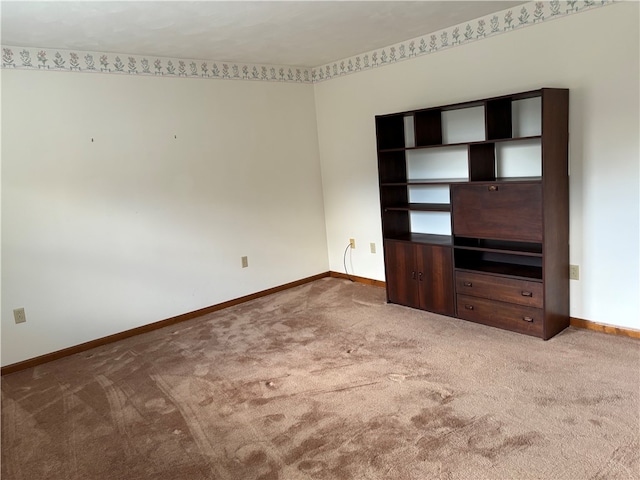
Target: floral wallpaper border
x=507, y=20
x=120, y=63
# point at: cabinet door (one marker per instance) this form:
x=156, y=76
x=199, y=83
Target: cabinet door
x=435, y=278
x=402, y=286
x=498, y=211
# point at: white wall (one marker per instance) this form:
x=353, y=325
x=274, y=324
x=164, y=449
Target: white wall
x=594, y=54
x=137, y=226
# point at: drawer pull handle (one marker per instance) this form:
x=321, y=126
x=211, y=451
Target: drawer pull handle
x=527, y=294
x=468, y=284
x=528, y=319
x=493, y=188
x=468, y=307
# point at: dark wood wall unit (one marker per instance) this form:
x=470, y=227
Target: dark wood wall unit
x=501, y=257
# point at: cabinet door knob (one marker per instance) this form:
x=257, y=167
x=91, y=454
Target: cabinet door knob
x=468, y=307
x=413, y=275
x=468, y=284
x=528, y=319
x=420, y=276
x=493, y=188
x=526, y=294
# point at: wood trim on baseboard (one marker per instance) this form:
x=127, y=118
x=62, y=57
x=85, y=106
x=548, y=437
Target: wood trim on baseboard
x=65, y=352
x=600, y=327
x=366, y=281
x=49, y=357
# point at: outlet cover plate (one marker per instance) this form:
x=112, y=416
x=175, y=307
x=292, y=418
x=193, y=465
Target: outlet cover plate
x=19, y=315
x=574, y=272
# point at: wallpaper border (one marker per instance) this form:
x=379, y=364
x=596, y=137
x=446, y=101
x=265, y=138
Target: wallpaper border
x=504, y=21
x=532, y=13
x=51, y=59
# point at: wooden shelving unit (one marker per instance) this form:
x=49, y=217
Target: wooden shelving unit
x=497, y=170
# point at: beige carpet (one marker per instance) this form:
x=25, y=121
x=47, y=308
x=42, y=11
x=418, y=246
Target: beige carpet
x=326, y=381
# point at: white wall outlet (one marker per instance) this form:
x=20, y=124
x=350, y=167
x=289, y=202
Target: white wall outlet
x=352, y=242
x=373, y=247
x=245, y=262
x=19, y=315
x=574, y=272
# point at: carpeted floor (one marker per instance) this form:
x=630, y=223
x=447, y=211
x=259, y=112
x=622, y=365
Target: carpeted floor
x=326, y=381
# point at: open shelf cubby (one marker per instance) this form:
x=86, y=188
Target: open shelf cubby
x=498, y=246
x=438, y=163
x=517, y=266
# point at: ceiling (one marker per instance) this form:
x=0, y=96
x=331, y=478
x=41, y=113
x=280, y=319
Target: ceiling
x=302, y=33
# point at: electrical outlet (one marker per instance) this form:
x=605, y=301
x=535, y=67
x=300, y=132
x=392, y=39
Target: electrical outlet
x=574, y=272
x=352, y=242
x=373, y=247
x=19, y=315
x=245, y=262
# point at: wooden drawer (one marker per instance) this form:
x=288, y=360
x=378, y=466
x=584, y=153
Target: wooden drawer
x=498, y=211
x=509, y=316
x=503, y=289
